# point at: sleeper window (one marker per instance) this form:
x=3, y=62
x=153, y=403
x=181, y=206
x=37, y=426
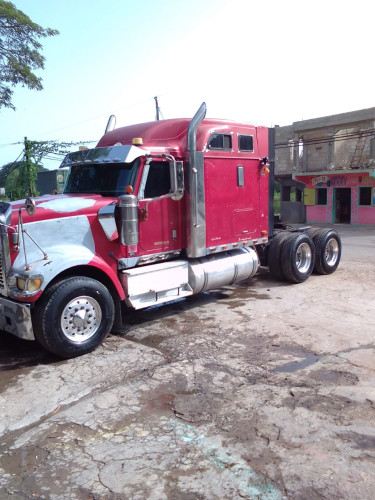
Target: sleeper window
x=220, y=141
x=246, y=143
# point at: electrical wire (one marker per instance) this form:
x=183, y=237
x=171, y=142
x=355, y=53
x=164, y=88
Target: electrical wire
x=10, y=144
x=95, y=118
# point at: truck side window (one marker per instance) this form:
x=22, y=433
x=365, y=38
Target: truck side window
x=158, y=180
x=220, y=141
x=246, y=143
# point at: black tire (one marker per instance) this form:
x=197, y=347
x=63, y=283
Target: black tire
x=328, y=251
x=312, y=232
x=297, y=257
x=74, y=316
x=274, y=255
x=262, y=251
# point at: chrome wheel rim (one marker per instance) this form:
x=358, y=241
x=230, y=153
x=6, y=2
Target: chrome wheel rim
x=81, y=318
x=303, y=257
x=331, y=252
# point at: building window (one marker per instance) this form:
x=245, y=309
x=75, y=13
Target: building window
x=220, y=141
x=321, y=196
x=365, y=197
x=291, y=193
x=246, y=143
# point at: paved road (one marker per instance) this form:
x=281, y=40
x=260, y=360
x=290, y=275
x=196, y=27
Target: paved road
x=259, y=390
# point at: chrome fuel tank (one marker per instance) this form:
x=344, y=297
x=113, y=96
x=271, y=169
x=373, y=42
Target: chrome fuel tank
x=222, y=269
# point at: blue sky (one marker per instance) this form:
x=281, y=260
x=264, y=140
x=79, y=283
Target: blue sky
x=264, y=62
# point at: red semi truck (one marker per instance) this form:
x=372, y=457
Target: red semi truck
x=155, y=212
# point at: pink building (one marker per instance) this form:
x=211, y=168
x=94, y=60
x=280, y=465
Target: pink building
x=340, y=196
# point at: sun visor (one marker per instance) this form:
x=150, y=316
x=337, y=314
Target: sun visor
x=111, y=154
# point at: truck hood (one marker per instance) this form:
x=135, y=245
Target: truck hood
x=59, y=206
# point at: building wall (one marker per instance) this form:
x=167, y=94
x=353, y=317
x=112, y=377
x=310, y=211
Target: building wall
x=283, y=153
x=337, y=144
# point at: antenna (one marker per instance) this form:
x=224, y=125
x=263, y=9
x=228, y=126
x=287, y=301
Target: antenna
x=158, y=112
x=111, y=124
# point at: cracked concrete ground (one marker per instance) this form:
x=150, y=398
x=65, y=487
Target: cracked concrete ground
x=259, y=390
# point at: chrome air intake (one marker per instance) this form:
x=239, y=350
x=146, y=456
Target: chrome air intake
x=128, y=204
x=5, y=213
x=222, y=269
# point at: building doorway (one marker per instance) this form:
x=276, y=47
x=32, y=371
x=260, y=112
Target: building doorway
x=342, y=205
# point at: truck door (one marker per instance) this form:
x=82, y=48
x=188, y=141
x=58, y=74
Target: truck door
x=233, y=188
x=160, y=231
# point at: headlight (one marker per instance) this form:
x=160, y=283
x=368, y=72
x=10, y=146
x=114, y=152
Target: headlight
x=28, y=285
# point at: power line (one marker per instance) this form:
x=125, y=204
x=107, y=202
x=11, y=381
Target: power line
x=10, y=144
x=73, y=143
x=94, y=118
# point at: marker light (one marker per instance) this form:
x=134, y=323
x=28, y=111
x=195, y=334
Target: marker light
x=137, y=141
x=129, y=189
x=29, y=285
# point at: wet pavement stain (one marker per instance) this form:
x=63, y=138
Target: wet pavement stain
x=294, y=366
x=361, y=441
x=242, y=293
x=162, y=404
x=335, y=377
x=19, y=357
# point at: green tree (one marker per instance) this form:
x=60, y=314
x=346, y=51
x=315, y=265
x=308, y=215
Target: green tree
x=13, y=177
x=20, y=51
x=38, y=150
x=19, y=177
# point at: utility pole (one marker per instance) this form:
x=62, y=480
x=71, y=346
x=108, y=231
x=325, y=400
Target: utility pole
x=27, y=176
x=28, y=165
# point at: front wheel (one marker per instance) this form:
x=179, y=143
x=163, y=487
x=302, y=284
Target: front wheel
x=74, y=316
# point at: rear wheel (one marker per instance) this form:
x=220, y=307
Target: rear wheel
x=328, y=251
x=312, y=231
x=74, y=316
x=274, y=254
x=297, y=257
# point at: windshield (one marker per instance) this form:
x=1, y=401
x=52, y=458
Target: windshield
x=109, y=179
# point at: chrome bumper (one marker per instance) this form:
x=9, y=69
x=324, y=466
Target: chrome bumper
x=15, y=318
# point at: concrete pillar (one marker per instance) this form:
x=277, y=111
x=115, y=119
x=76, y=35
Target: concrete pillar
x=331, y=152
x=296, y=154
x=304, y=156
x=372, y=146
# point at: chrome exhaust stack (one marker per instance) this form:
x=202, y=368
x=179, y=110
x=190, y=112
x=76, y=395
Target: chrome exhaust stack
x=196, y=237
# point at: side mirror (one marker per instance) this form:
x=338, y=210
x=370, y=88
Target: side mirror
x=176, y=170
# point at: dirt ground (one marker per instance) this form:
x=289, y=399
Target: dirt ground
x=263, y=390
